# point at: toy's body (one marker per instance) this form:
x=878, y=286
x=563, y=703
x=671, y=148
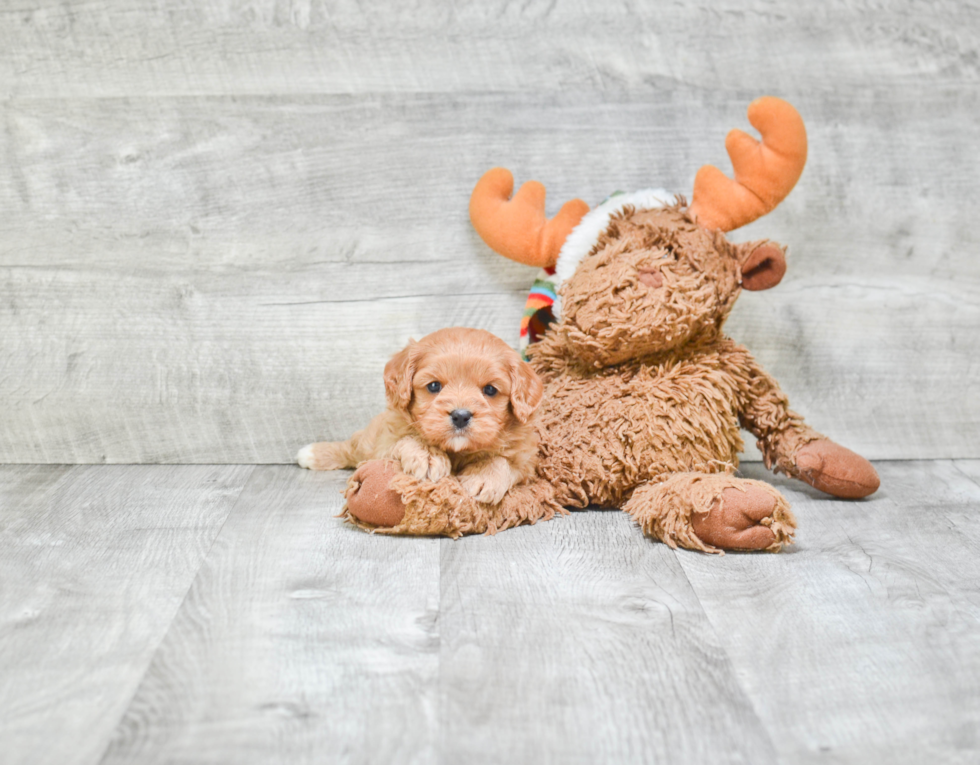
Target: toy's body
x=644, y=394
x=638, y=422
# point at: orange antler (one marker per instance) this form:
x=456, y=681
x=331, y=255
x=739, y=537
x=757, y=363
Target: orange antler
x=517, y=228
x=764, y=172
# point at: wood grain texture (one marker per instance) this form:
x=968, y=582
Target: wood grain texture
x=862, y=644
x=222, y=280
x=94, y=563
x=215, y=47
x=221, y=217
x=302, y=640
x=581, y=641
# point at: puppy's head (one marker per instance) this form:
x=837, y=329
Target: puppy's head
x=464, y=389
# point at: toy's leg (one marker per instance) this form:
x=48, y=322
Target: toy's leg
x=712, y=512
x=382, y=499
x=370, y=501
x=835, y=469
x=788, y=444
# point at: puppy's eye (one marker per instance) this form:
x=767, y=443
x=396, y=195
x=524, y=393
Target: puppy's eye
x=489, y=390
x=434, y=387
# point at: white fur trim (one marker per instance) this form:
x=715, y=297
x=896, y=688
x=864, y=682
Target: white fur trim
x=584, y=236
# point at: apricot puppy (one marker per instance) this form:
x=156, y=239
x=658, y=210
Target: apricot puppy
x=460, y=402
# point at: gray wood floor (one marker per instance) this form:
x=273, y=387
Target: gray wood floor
x=223, y=614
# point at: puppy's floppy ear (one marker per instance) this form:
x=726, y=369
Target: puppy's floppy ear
x=399, y=373
x=526, y=390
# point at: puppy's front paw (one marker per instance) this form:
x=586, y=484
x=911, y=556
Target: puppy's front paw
x=439, y=466
x=484, y=487
x=426, y=465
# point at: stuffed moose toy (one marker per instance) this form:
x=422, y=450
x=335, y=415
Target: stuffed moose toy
x=644, y=393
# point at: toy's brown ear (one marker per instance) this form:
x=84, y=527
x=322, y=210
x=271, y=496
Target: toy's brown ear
x=526, y=390
x=399, y=373
x=763, y=265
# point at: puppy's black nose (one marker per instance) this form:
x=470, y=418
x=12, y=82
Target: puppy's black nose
x=461, y=418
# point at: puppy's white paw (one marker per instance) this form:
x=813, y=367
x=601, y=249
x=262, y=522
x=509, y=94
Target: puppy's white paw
x=304, y=457
x=484, y=487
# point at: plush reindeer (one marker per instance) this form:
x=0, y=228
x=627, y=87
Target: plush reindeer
x=644, y=393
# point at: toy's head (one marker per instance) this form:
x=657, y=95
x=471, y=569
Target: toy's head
x=655, y=281
x=644, y=273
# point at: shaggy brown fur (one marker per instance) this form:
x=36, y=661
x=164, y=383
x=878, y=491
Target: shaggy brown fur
x=644, y=393
x=460, y=402
x=645, y=397
x=656, y=387
x=658, y=391
x=680, y=509
x=403, y=505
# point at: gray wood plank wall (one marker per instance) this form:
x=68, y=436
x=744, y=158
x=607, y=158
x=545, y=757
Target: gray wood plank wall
x=221, y=216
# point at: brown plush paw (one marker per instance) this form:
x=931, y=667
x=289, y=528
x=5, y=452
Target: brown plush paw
x=830, y=467
x=738, y=520
x=370, y=500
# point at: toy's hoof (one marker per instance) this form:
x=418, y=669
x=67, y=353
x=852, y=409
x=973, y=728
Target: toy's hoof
x=739, y=520
x=836, y=470
x=370, y=500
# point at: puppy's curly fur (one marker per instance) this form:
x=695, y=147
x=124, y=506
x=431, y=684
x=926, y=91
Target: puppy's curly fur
x=460, y=402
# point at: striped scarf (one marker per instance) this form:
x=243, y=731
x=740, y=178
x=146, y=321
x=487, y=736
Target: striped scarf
x=539, y=309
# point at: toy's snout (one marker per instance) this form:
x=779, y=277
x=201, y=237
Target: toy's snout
x=652, y=277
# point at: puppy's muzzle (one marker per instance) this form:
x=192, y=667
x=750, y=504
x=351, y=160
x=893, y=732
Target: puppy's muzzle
x=461, y=418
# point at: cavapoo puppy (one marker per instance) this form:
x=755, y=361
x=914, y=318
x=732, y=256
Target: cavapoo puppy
x=460, y=402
